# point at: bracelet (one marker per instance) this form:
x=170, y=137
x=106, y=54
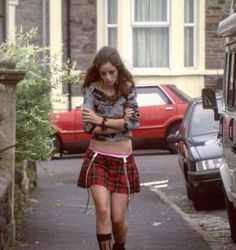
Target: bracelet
x=103, y=126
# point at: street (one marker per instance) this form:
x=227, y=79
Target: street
x=161, y=217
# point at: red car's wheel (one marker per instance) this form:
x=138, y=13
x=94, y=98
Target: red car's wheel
x=173, y=146
x=56, y=147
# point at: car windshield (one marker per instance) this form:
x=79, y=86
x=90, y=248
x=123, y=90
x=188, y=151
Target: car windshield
x=202, y=121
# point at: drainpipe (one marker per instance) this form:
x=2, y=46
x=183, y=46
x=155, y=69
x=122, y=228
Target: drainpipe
x=233, y=7
x=69, y=53
x=44, y=24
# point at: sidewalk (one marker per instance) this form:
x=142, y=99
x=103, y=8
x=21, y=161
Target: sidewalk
x=55, y=219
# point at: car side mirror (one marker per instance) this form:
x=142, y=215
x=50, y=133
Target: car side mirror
x=174, y=138
x=209, y=101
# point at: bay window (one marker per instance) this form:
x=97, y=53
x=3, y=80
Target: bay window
x=154, y=34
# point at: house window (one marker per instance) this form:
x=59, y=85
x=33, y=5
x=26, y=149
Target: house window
x=112, y=23
x=2, y=21
x=189, y=27
x=150, y=22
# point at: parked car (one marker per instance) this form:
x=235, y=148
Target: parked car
x=161, y=111
x=227, y=117
x=199, y=154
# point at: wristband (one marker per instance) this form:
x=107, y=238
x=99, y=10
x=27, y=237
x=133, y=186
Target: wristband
x=103, y=126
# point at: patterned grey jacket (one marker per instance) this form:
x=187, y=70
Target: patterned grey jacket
x=105, y=106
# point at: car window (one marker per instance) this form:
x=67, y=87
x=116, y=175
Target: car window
x=202, y=121
x=183, y=96
x=148, y=96
x=149, y=99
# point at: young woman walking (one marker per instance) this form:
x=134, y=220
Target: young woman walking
x=110, y=112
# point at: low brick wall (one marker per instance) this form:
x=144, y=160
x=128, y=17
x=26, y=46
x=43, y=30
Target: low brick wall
x=9, y=77
x=6, y=222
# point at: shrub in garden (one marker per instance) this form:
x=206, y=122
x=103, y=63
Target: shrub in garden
x=33, y=103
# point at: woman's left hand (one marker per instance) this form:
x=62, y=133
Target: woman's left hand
x=89, y=115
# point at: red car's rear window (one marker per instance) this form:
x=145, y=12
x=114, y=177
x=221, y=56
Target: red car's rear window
x=183, y=96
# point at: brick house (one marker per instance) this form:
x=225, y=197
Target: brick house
x=173, y=41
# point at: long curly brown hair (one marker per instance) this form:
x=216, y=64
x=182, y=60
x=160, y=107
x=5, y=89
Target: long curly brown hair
x=104, y=55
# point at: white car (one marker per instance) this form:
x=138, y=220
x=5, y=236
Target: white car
x=227, y=117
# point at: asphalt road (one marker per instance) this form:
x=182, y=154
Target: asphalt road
x=54, y=216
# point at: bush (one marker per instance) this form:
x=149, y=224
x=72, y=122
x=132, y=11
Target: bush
x=33, y=103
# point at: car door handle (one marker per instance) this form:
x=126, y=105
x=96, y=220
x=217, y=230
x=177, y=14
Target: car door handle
x=169, y=108
x=220, y=134
x=231, y=130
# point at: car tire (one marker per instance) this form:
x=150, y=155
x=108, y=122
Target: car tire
x=56, y=147
x=173, y=146
x=188, y=193
x=197, y=203
x=232, y=217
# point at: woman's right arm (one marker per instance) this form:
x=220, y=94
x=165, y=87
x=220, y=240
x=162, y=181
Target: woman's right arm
x=100, y=125
x=92, y=122
x=93, y=126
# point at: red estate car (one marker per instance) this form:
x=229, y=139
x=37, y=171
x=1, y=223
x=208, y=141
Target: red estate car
x=161, y=110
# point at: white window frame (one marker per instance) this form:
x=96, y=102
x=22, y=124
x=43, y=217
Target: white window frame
x=163, y=24
x=194, y=35
x=150, y=24
x=107, y=25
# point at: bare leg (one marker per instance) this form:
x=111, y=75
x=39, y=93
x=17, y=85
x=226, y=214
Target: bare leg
x=103, y=224
x=119, y=224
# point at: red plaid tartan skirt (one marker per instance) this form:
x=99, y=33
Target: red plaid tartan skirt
x=109, y=171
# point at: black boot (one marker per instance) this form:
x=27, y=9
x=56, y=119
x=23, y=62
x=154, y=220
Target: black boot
x=118, y=246
x=104, y=241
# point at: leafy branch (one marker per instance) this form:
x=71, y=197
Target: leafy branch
x=34, y=102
